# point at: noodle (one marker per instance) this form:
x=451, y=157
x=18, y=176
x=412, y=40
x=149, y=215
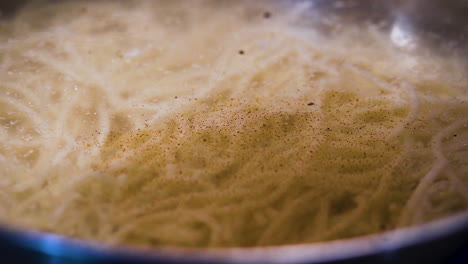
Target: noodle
x=208, y=124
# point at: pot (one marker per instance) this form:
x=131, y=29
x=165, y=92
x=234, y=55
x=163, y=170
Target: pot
x=439, y=25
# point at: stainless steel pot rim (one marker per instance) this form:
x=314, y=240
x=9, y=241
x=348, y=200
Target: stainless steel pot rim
x=385, y=244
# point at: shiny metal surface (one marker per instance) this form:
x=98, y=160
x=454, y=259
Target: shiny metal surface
x=437, y=24
x=428, y=243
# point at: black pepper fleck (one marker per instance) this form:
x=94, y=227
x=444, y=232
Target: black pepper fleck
x=241, y=52
x=310, y=103
x=267, y=15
